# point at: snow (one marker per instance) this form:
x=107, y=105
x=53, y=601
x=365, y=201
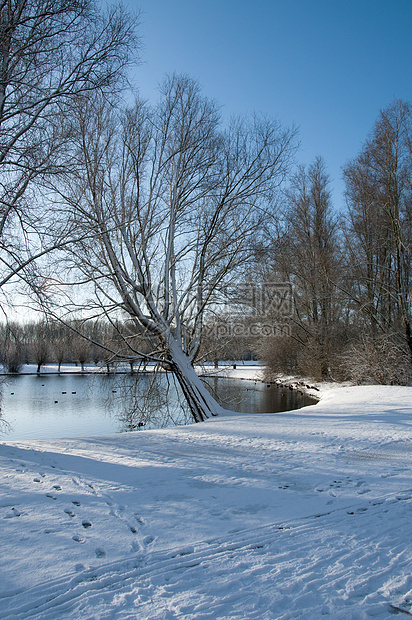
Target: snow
x=301, y=514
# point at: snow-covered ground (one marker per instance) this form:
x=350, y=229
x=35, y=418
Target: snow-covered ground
x=295, y=515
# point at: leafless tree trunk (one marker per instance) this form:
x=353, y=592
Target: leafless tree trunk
x=170, y=202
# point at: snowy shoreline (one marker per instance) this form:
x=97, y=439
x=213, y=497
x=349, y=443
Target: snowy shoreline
x=297, y=515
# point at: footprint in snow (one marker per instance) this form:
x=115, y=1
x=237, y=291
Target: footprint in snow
x=135, y=547
x=358, y=511
x=51, y=496
x=376, y=502
x=14, y=513
x=148, y=540
x=76, y=502
x=100, y=553
x=78, y=539
x=394, y=472
x=362, y=488
x=404, y=495
x=86, y=524
x=69, y=512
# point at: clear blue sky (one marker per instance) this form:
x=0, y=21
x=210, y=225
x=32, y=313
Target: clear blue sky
x=327, y=66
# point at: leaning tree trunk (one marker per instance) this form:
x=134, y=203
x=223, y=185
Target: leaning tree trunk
x=201, y=403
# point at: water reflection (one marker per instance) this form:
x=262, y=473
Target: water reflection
x=256, y=397
x=149, y=401
x=4, y=425
x=57, y=406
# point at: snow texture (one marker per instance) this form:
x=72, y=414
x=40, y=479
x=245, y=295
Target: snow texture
x=301, y=514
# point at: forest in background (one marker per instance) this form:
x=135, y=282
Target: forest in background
x=350, y=272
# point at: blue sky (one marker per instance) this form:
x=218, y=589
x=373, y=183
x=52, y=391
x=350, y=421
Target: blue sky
x=327, y=66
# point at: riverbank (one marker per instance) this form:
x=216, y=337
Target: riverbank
x=296, y=515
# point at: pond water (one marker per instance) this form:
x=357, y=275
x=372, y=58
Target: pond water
x=81, y=405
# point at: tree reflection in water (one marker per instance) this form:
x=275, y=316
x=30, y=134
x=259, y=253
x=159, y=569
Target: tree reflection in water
x=4, y=425
x=149, y=400
x=154, y=400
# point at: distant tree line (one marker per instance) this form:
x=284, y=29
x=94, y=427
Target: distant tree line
x=94, y=342
x=52, y=342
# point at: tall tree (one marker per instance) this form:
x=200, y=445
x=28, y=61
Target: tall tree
x=304, y=251
x=379, y=197
x=51, y=51
x=170, y=203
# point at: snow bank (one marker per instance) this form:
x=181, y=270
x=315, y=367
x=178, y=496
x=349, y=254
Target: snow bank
x=293, y=515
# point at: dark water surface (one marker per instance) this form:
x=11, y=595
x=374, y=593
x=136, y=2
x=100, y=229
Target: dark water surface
x=76, y=405
x=256, y=397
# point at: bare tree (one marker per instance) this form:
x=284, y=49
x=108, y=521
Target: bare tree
x=12, y=347
x=379, y=196
x=304, y=250
x=59, y=344
x=170, y=202
x=50, y=52
x=80, y=350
